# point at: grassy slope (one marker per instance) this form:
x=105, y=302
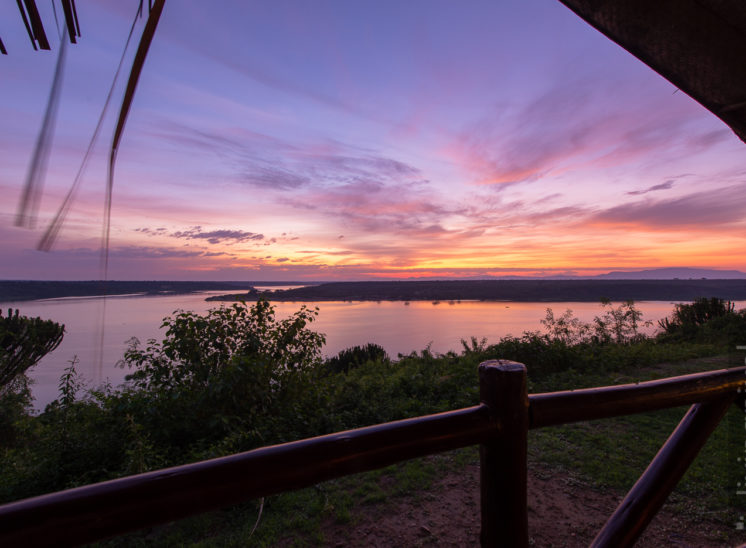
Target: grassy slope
x=612, y=453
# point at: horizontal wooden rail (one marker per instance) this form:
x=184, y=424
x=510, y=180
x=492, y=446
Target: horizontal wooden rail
x=555, y=408
x=101, y=510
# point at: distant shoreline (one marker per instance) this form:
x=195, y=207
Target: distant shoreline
x=505, y=291
x=32, y=290
x=451, y=290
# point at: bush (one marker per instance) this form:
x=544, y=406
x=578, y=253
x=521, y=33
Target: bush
x=618, y=325
x=705, y=320
x=696, y=314
x=197, y=348
x=353, y=357
x=227, y=372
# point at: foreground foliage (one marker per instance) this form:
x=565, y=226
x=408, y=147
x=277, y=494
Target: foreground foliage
x=237, y=378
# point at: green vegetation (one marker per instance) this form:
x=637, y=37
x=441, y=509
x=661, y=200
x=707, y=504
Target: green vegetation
x=23, y=342
x=237, y=378
x=355, y=357
x=707, y=320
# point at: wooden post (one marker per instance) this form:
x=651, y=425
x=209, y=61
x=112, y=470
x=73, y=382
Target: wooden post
x=502, y=388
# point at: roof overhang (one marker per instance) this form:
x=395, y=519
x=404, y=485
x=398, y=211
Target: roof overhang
x=698, y=45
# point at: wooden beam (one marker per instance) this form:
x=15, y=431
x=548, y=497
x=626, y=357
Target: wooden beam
x=611, y=401
x=647, y=496
x=26, y=23
x=36, y=25
x=70, y=20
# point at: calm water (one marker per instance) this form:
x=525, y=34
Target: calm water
x=399, y=328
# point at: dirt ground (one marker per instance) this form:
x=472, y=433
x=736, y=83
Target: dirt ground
x=562, y=512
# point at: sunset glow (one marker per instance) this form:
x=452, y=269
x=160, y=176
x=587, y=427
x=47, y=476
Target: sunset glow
x=359, y=140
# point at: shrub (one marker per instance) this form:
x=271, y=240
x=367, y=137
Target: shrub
x=229, y=371
x=540, y=353
x=696, y=314
x=620, y=325
x=355, y=356
x=566, y=328
x=196, y=347
x=706, y=320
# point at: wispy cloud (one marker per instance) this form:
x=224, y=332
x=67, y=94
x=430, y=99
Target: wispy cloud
x=662, y=186
x=710, y=138
x=131, y=252
x=707, y=210
x=269, y=163
x=217, y=236
x=152, y=231
x=573, y=125
x=273, y=178
x=369, y=205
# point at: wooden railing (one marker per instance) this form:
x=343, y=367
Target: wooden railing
x=500, y=424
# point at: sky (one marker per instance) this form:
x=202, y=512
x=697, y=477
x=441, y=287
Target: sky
x=336, y=140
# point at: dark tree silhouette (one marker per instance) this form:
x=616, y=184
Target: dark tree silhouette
x=23, y=342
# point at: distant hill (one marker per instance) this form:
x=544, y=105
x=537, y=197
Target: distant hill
x=670, y=273
x=681, y=273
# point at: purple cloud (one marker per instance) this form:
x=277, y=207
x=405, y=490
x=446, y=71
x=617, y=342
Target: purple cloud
x=572, y=124
x=151, y=231
x=217, y=236
x=269, y=163
x=377, y=206
x=663, y=186
x=144, y=252
x=273, y=178
x=713, y=208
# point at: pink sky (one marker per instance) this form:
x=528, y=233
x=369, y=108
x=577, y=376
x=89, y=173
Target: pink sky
x=354, y=140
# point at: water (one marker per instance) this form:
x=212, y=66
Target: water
x=400, y=328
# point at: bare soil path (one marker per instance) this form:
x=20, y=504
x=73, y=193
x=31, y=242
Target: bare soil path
x=563, y=511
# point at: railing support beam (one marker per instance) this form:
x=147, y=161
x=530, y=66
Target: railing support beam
x=503, y=389
x=647, y=496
